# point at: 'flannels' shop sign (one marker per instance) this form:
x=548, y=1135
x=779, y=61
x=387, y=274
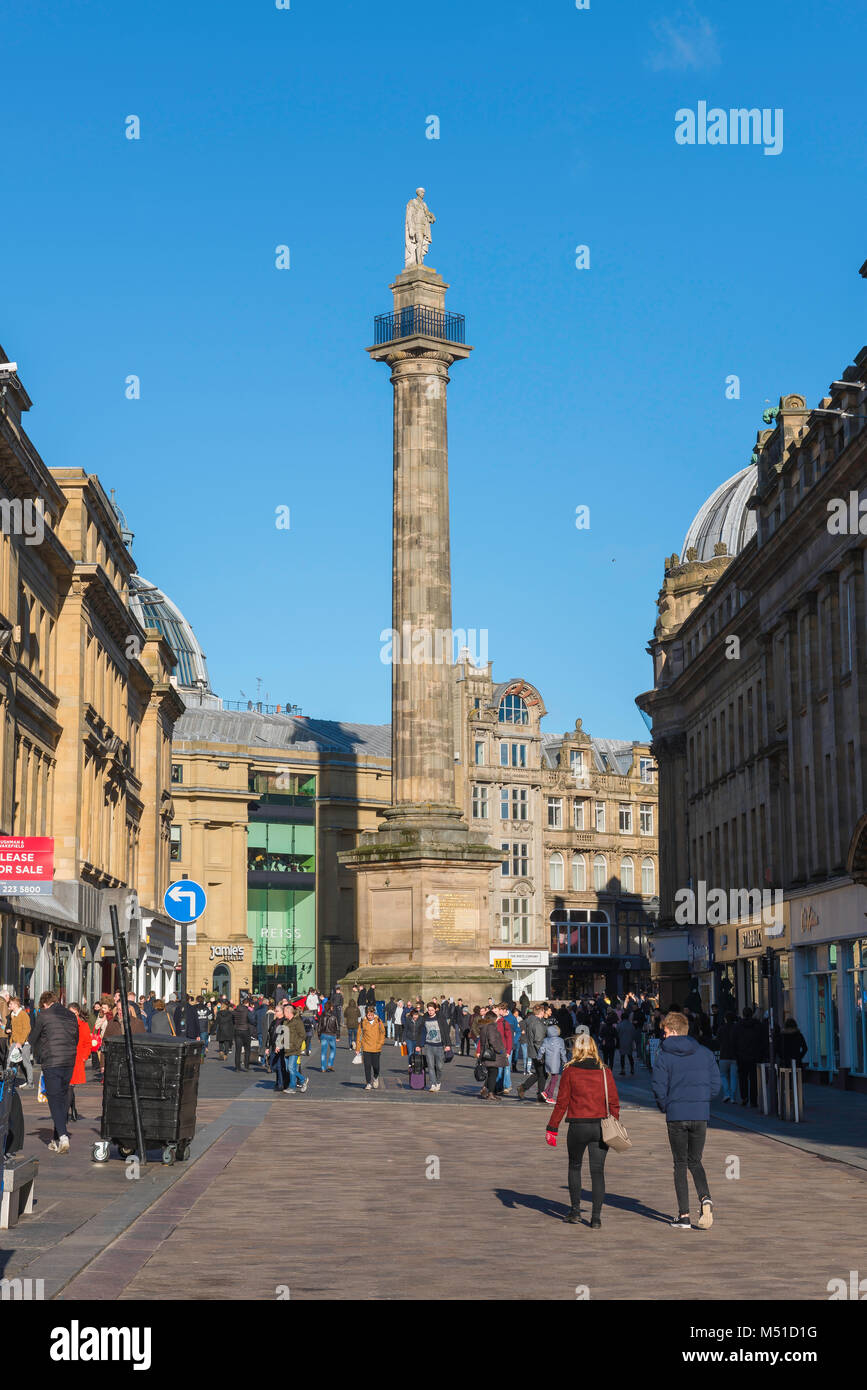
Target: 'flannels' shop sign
x=227, y=952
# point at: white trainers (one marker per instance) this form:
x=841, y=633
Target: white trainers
x=53, y=1145
x=705, y=1220
x=63, y=1145
x=303, y=1087
x=368, y=1087
x=376, y=1083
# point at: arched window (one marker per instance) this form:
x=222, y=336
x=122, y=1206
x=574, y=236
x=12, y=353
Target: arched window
x=555, y=870
x=579, y=873
x=627, y=875
x=600, y=872
x=513, y=710
x=648, y=878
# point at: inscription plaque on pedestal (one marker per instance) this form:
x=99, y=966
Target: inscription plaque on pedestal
x=457, y=920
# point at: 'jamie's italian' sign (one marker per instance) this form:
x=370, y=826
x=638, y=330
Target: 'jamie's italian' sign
x=27, y=865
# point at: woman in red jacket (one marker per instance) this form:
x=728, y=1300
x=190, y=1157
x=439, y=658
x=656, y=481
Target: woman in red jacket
x=581, y=1099
x=79, y=1075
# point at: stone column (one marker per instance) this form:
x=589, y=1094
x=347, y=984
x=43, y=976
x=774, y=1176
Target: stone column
x=420, y=355
x=422, y=752
x=423, y=876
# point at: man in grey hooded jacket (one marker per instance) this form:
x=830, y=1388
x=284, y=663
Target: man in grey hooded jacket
x=535, y=1032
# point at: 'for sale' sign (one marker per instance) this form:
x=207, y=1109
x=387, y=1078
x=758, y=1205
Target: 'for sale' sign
x=27, y=865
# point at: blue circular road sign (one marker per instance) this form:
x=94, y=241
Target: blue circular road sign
x=185, y=900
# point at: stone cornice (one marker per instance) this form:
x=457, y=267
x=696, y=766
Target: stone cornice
x=91, y=583
x=23, y=470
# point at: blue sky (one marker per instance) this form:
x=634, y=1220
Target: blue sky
x=603, y=387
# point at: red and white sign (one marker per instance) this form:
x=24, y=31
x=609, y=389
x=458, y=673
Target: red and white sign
x=27, y=864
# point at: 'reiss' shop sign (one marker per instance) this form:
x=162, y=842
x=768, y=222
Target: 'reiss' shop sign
x=27, y=865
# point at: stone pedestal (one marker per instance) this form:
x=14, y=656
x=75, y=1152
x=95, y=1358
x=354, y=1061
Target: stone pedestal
x=423, y=877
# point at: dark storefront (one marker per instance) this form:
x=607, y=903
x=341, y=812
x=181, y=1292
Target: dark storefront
x=590, y=954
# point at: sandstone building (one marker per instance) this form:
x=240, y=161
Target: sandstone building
x=88, y=709
x=264, y=801
x=758, y=706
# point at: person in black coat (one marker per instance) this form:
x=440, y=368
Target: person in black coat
x=749, y=1046
x=412, y=1026
x=54, y=1041
x=608, y=1040
x=242, y=1021
x=792, y=1045
x=186, y=1019
x=225, y=1031
x=728, y=1065
x=565, y=1022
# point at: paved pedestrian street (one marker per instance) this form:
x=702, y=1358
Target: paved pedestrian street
x=312, y=1183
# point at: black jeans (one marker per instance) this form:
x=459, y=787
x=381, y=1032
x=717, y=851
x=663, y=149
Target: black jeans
x=581, y=1136
x=242, y=1040
x=465, y=1044
x=538, y=1079
x=371, y=1062
x=491, y=1078
x=686, y=1138
x=57, y=1089
x=748, y=1079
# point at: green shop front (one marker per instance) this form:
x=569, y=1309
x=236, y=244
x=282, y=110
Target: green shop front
x=281, y=881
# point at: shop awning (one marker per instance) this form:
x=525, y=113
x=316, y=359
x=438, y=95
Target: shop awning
x=39, y=907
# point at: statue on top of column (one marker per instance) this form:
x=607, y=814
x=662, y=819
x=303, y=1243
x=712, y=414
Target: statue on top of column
x=418, y=223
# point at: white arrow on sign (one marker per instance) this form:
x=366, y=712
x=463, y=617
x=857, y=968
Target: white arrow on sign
x=177, y=892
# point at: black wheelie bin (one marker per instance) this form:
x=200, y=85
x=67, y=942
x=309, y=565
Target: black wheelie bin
x=167, y=1076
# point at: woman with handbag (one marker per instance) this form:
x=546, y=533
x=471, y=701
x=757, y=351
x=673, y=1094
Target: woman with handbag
x=588, y=1098
x=491, y=1053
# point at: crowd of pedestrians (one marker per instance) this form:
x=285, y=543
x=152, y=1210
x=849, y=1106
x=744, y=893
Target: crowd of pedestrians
x=568, y=1053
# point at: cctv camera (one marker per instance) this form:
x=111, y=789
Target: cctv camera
x=8, y=368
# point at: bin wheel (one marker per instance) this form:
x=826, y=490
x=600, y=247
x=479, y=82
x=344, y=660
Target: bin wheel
x=183, y=1150
x=169, y=1154
x=101, y=1151
x=125, y=1151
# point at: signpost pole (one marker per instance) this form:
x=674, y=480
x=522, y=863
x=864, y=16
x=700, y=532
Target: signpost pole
x=127, y=1036
x=183, y=962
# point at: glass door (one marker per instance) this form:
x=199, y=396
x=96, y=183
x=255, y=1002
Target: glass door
x=824, y=1028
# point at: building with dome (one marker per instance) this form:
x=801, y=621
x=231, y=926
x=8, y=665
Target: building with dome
x=760, y=682
x=154, y=609
x=725, y=519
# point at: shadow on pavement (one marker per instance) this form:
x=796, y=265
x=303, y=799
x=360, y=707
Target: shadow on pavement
x=533, y=1201
x=548, y=1207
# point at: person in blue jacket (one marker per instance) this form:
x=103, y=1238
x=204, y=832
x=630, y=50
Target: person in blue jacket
x=685, y=1080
